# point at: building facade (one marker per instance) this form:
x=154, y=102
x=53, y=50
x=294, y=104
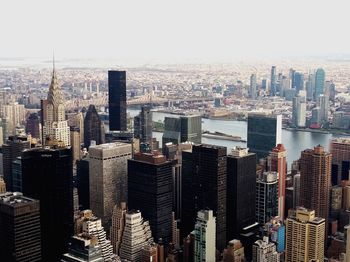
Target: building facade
x=117, y=100
x=19, y=228
x=241, y=190
x=264, y=133
x=108, y=177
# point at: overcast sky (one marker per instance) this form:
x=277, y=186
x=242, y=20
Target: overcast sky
x=161, y=30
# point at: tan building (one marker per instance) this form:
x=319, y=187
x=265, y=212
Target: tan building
x=2, y=186
x=108, y=177
x=305, y=236
x=149, y=253
x=340, y=150
x=75, y=144
x=234, y=252
x=315, y=180
x=77, y=120
x=16, y=113
x=118, y=224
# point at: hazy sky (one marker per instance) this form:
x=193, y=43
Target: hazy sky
x=161, y=30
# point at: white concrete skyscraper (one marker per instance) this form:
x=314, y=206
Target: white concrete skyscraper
x=205, y=233
x=56, y=126
x=137, y=234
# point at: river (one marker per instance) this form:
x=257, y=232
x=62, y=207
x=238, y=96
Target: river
x=294, y=141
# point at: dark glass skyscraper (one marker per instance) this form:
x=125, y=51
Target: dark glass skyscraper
x=183, y=129
x=319, y=83
x=117, y=100
x=83, y=183
x=204, y=177
x=264, y=133
x=11, y=150
x=241, y=184
x=19, y=228
x=150, y=191
x=93, y=129
x=143, y=125
x=33, y=125
x=47, y=176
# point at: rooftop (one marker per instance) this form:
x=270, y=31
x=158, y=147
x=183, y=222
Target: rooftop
x=14, y=199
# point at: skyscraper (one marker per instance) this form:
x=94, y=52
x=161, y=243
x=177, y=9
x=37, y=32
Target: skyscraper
x=204, y=176
x=118, y=225
x=88, y=224
x=241, y=186
x=315, y=180
x=319, y=82
x=305, y=236
x=12, y=149
x=266, y=197
x=47, y=176
x=19, y=228
x=273, y=88
x=83, y=183
x=75, y=144
x=264, y=133
x=93, y=128
x=252, y=87
x=150, y=191
x=33, y=125
x=205, y=234
x=108, y=177
x=183, y=129
x=83, y=248
x=77, y=120
x=263, y=250
x=299, y=111
x=56, y=126
x=277, y=162
x=143, y=125
x=298, y=81
x=340, y=150
x=323, y=104
x=117, y=100
x=136, y=235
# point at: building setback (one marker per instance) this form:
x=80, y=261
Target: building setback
x=19, y=228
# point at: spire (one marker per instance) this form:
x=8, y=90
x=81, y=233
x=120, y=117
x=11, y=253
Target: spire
x=53, y=60
x=55, y=96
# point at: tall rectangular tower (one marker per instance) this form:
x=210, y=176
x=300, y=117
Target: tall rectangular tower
x=11, y=150
x=305, y=236
x=150, y=190
x=340, y=150
x=117, y=100
x=19, y=228
x=264, y=133
x=108, y=177
x=277, y=162
x=204, y=177
x=204, y=229
x=241, y=183
x=47, y=175
x=315, y=180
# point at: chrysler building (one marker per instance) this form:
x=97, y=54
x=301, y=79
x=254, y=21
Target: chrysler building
x=56, y=127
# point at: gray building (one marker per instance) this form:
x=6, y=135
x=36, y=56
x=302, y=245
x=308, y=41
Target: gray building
x=252, y=86
x=108, y=177
x=182, y=129
x=299, y=111
x=264, y=133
